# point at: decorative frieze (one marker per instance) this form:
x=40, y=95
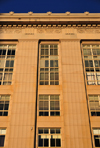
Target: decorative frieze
x=88, y=30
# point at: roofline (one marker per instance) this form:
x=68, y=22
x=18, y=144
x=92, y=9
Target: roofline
x=49, y=18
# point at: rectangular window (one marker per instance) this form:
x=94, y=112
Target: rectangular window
x=7, y=56
x=92, y=63
x=49, y=105
x=94, y=103
x=49, y=137
x=2, y=137
x=49, y=65
x=96, y=133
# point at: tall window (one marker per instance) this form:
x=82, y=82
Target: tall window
x=49, y=105
x=96, y=133
x=94, y=102
x=7, y=56
x=49, y=137
x=92, y=63
x=49, y=65
x=4, y=105
x=2, y=136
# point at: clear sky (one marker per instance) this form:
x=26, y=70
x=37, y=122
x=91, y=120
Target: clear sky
x=55, y=6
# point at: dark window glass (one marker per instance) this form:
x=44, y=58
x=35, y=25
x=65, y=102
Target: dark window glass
x=5, y=114
x=97, y=140
x=46, y=142
x=2, y=138
x=52, y=142
x=40, y=141
x=58, y=142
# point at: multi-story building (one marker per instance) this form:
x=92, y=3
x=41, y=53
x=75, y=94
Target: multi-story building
x=49, y=80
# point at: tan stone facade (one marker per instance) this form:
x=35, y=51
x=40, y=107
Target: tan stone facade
x=51, y=76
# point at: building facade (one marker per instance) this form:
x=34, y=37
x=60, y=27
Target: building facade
x=49, y=80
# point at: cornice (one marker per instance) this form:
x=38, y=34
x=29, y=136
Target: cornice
x=49, y=18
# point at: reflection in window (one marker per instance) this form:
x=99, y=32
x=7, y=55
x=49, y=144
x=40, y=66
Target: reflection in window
x=49, y=67
x=2, y=137
x=7, y=56
x=49, y=137
x=49, y=105
x=94, y=103
x=96, y=133
x=92, y=63
x=4, y=105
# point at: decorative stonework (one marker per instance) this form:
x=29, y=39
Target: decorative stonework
x=10, y=30
x=88, y=30
x=49, y=30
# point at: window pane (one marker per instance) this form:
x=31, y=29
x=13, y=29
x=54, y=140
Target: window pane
x=58, y=142
x=51, y=76
x=46, y=76
x=11, y=63
x=40, y=105
x=41, y=76
x=51, y=63
x=52, y=142
x=7, y=63
x=46, y=63
x=40, y=141
x=2, y=138
x=46, y=142
x=2, y=63
x=46, y=105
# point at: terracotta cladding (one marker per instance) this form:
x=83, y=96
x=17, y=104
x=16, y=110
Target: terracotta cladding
x=75, y=121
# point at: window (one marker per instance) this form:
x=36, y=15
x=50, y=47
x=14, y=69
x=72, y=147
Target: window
x=49, y=137
x=2, y=137
x=49, y=105
x=94, y=102
x=92, y=63
x=49, y=66
x=96, y=133
x=7, y=56
x=4, y=105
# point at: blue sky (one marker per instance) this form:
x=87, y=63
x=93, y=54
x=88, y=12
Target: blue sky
x=55, y=6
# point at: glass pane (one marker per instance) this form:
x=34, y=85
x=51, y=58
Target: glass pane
x=57, y=105
x=11, y=63
x=41, y=76
x=86, y=64
x=96, y=63
x=40, y=141
x=10, y=76
x=6, y=106
x=7, y=63
x=58, y=142
x=51, y=51
x=9, y=52
x=46, y=51
x=51, y=105
x=46, y=131
x=46, y=63
x=46, y=76
x=55, y=51
x=52, y=142
x=42, y=51
x=2, y=63
x=46, y=105
x=2, y=138
x=46, y=142
x=52, y=131
x=40, y=131
x=51, y=63
x=56, y=63
x=56, y=76
x=6, y=76
x=40, y=105
x=51, y=76
x=1, y=106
